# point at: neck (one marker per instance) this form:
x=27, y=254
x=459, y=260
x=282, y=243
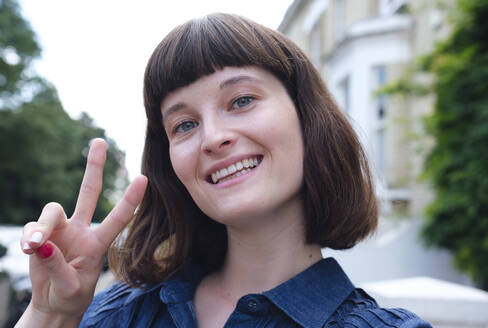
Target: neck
x=262, y=258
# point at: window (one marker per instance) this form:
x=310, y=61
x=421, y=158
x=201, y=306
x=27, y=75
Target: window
x=380, y=150
x=381, y=81
x=344, y=95
x=380, y=112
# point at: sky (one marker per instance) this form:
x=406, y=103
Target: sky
x=95, y=53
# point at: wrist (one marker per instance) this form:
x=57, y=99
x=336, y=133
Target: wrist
x=36, y=318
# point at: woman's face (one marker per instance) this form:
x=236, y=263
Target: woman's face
x=236, y=144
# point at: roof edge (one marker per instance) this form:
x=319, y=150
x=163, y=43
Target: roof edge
x=290, y=14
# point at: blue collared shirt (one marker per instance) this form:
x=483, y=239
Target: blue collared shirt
x=321, y=296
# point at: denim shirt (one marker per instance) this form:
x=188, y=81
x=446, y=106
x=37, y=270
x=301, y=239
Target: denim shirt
x=320, y=296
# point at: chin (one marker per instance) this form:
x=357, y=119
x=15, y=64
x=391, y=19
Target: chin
x=233, y=216
x=249, y=213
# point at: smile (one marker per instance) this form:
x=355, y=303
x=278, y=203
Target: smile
x=235, y=169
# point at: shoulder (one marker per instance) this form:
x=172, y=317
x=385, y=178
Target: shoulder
x=361, y=310
x=118, y=304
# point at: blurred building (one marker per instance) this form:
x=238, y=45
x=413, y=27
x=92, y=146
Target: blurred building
x=358, y=46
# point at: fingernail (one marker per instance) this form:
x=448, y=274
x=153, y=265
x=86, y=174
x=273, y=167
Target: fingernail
x=26, y=247
x=45, y=250
x=36, y=237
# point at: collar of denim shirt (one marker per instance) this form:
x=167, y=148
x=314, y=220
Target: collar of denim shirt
x=309, y=298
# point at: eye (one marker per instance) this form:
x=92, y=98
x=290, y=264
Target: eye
x=242, y=102
x=185, y=126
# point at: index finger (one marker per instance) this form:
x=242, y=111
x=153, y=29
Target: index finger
x=91, y=186
x=122, y=213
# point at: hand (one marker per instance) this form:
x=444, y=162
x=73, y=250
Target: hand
x=66, y=255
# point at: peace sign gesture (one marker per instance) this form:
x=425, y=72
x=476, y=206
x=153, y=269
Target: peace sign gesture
x=66, y=254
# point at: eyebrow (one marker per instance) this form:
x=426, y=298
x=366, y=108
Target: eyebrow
x=229, y=82
x=172, y=109
x=236, y=79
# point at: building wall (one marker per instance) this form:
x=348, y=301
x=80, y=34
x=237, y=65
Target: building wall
x=377, y=38
x=296, y=31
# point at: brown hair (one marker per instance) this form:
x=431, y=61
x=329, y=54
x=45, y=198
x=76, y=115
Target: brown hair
x=338, y=192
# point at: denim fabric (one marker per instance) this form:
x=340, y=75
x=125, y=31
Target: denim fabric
x=321, y=296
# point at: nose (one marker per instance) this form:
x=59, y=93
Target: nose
x=217, y=137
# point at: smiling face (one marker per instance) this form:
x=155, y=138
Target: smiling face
x=236, y=144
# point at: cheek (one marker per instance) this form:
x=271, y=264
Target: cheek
x=183, y=163
x=286, y=131
x=290, y=138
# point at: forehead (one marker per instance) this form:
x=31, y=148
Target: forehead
x=220, y=80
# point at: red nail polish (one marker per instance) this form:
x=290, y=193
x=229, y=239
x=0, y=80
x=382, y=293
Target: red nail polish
x=45, y=250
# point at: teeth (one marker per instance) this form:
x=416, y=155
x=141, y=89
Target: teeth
x=235, y=175
x=229, y=172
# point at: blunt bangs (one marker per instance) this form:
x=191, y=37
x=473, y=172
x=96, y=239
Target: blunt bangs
x=205, y=45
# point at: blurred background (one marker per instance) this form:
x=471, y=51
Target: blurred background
x=411, y=75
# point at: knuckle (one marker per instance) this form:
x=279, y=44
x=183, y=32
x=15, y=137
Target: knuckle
x=55, y=208
x=29, y=226
x=130, y=202
x=97, y=163
x=90, y=189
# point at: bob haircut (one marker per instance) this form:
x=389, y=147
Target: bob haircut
x=169, y=229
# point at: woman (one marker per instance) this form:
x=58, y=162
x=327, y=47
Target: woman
x=252, y=169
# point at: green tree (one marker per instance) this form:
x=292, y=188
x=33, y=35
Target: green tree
x=43, y=150
x=457, y=166
x=18, y=47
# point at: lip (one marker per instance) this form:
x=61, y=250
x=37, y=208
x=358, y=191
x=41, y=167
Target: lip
x=227, y=162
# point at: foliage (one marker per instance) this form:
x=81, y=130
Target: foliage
x=18, y=47
x=43, y=149
x=405, y=87
x=458, y=164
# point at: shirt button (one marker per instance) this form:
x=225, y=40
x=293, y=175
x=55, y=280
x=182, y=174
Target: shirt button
x=252, y=304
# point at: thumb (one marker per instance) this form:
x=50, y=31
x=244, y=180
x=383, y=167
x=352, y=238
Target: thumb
x=49, y=263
